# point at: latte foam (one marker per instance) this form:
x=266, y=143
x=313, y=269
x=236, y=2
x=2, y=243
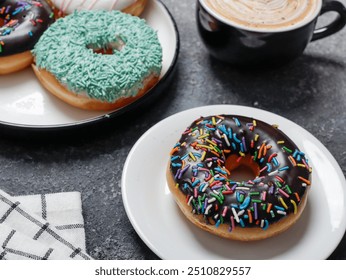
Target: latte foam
x=265, y=14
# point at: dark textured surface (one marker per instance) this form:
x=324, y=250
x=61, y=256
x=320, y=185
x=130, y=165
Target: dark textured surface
x=310, y=91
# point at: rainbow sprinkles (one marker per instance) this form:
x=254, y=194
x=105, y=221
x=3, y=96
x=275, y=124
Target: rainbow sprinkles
x=33, y=18
x=199, y=165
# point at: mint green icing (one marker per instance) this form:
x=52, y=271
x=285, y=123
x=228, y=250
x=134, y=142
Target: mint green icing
x=65, y=50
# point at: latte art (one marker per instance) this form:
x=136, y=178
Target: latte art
x=269, y=14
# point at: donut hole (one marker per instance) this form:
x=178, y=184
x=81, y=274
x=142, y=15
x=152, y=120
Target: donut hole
x=242, y=169
x=107, y=48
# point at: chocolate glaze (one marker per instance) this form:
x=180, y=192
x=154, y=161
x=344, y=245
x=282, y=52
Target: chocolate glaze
x=26, y=20
x=268, y=190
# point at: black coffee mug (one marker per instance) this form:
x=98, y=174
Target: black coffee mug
x=243, y=46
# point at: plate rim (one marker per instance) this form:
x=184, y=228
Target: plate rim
x=128, y=210
x=111, y=115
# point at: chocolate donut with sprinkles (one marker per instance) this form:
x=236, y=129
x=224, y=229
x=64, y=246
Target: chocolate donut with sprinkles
x=200, y=170
x=21, y=25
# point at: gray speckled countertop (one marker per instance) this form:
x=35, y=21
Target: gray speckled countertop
x=311, y=91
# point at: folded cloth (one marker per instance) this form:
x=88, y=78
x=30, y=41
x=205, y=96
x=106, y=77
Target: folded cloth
x=42, y=227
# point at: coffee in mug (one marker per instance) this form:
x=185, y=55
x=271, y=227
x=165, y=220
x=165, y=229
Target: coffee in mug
x=265, y=14
x=264, y=32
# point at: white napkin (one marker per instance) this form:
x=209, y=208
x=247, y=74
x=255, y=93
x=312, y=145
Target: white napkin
x=42, y=227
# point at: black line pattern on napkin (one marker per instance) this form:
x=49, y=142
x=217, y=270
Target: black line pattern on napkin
x=44, y=206
x=2, y=255
x=24, y=254
x=71, y=226
x=42, y=227
x=75, y=252
x=8, y=238
x=49, y=252
x=68, y=244
x=9, y=211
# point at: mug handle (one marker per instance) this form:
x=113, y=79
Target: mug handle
x=336, y=25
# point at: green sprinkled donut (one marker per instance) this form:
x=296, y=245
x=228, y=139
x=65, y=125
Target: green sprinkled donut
x=106, y=58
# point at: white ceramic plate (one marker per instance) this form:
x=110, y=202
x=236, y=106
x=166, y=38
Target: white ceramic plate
x=158, y=221
x=24, y=103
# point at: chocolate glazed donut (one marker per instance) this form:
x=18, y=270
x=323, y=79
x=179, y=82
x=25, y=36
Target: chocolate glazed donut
x=200, y=177
x=21, y=25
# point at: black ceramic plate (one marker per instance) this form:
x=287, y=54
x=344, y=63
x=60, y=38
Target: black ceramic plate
x=26, y=105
